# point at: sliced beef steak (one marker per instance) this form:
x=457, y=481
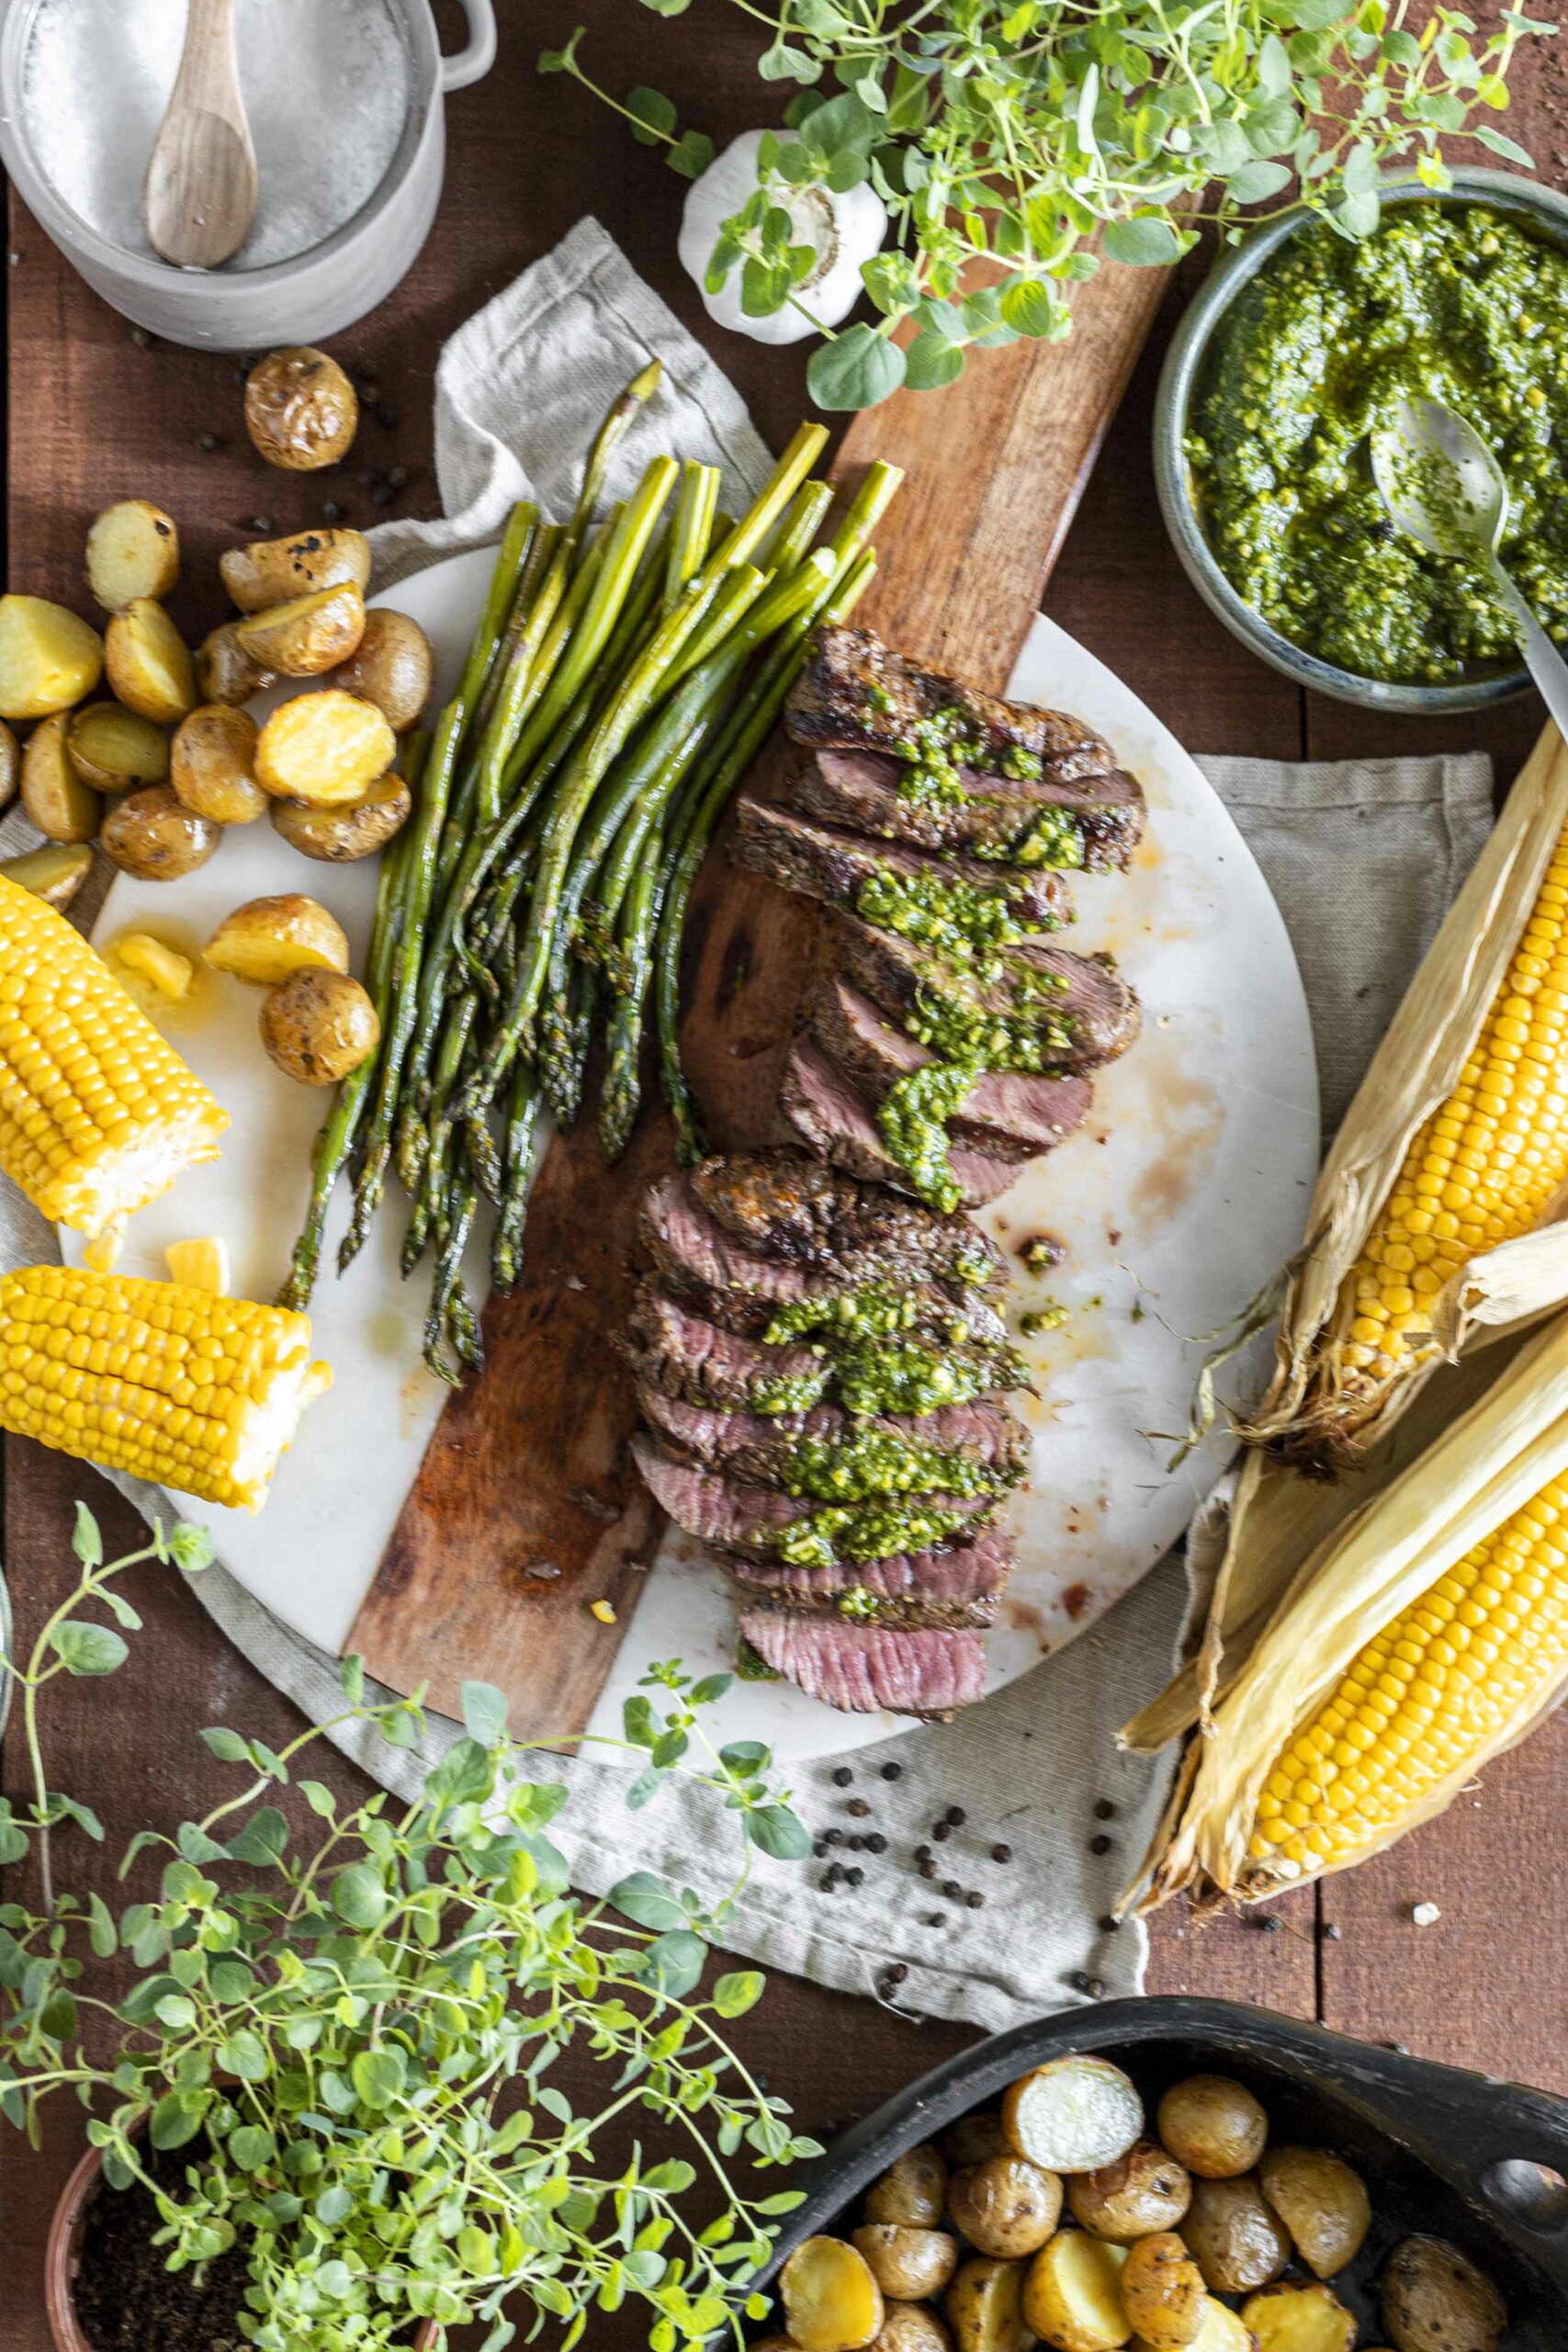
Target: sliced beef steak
x=764, y=1447
x=836, y=866
x=861, y=1668
x=830, y=1113
x=1101, y=816
x=1077, y=994
x=786, y=1206
x=748, y=1520
x=856, y=692
x=1011, y=1113
x=950, y=1584
x=797, y=1591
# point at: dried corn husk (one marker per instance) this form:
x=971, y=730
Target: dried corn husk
x=1391, y=1548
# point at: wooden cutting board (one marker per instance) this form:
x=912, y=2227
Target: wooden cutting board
x=527, y=1508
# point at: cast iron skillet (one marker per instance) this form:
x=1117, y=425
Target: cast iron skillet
x=1460, y=2156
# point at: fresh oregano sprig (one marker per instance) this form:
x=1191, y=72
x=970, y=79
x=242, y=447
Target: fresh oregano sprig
x=1003, y=135
x=353, y=2037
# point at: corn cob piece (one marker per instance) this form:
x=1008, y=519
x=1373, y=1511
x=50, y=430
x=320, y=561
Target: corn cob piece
x=98, y=1115
x=156, y=1379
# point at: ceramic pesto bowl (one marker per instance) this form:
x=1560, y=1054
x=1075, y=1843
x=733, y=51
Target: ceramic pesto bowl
x=1539, y=209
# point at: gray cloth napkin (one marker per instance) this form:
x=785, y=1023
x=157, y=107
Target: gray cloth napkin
x=1363, y=858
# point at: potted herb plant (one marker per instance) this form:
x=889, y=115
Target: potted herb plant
x=327, y=2096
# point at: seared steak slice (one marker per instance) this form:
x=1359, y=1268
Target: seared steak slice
x=952, y=1584
x=743, y=1290
x=750, y=1519
x=1092, y=1003
x=786, y=1205
x=836, y=866
x=861, y=1668
x=830, y=1113
x=856, y=692
x=798, y=1589
x=860, y=791
x=1011, y=1113
x=761, y=1447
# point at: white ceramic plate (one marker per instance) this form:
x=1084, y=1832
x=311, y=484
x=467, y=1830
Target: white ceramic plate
x=1182, y=1193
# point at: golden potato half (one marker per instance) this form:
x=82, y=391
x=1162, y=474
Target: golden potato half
x=266, y=941
x=325, y=749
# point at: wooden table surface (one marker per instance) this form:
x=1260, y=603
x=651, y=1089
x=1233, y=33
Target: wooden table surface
x=95, y=414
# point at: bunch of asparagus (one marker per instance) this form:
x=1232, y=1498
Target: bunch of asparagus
x=621, y=680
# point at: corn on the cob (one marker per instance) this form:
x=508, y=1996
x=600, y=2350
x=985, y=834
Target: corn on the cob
x=97, y=1114
x=156, y=1379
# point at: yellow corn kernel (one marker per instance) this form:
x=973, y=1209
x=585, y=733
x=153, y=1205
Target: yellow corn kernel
x=164, y=969
x=200, y=1265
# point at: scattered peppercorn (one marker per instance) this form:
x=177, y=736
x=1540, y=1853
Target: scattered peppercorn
x=1104, y=1810
x=820, y=1848
x=388, y=417
x=1109, y=1923
x=855, y=1877
x=1100, y=1844
x=1001, y=1853
x=936, y=1918
x=974, y=1900
x=828, y=1882
x=928, y=1867
x=854, y=1844
x=1266, y=1924
x=210, y=441
x=956, y=1816
x=922, y=1853
x=892, y=1772
x=952, y=1890
x=858, y=1808
x=382, y=494
x=140, y=338
x=875, y=1843
x=891, y=1978
x=1331, y=1934
x=332, y=512
x=832, y=1837
x=941, y=1832
x=260, y=523
x=397, y=478
x=842, y=1777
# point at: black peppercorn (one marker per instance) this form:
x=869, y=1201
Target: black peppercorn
x=952, y=1890
x=1109, y=1923
x=926, y=1866
x=398, y=477
x=922, y=1853
x=854, y=1844
x=841, y=1776
x=1266, y=1924
x=858, y=1808
x=876, y=1842
x=974, y=1900
x=941, y=1832
x=262, y=523
x=892, y=1772
x=1100, y=1844
x=828, y=1882
x=956, y=1816
x=332, y=512
x=140, y=338
x=855, y=1877
x=1104, y=1810
x=383, y=495
x=1331, y=1934
x=210, y=441
x=820, y=1848
x=1095, y=1988
x=388, y=417
x=1001, y=1853
x=832, y=1837
x=936, y=1918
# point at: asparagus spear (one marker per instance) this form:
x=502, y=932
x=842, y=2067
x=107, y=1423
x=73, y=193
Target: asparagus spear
x=524, y=1145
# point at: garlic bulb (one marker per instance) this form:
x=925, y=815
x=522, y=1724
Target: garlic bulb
x=843, y=229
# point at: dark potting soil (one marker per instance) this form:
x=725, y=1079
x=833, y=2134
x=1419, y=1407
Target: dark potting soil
x=126, y=2300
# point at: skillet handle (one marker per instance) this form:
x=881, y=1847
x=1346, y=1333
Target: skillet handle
x=472, y=63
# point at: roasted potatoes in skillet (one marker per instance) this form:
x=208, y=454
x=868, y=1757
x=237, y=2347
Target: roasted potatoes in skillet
x=1073, y=2114
x=394, y=668
x=307, y=637
x=113, y=750
x=1237, y=2238
x=325, y=749
x=832, y=2302
x=148, y=664
x=1143, y=2191
x=53, y=874
x=10, y=766
x=152, y=835
x=1162, y=2290
x=1006, y=2206
x=972, y=2139
x=212, y=765
x=62, y=806
x=909, y=2264
x=49, y=658
x=224, y=671
x=302, y=412
x=984, y=2306
x=269, y=939
x=912, y=2190
x=1435, y=2299
x=1322, y=2203
x=911, y=2327
x=338, y=836
x=1299, y=2319
x=1212, y=2125
x=133, y=549
x=1219, y=2330
x=318, y=1028
x=275, y=572
x=1072, y=2295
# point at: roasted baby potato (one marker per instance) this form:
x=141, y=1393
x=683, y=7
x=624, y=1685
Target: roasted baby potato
x=301, y=411
x=1322, y=2203
x=832, y=2302
x=1162, y=2290
x=1073, y=2115
x=307, y=637
x=911, y=2327
x=1299, y=2319
x=1237, y=2238
x=113, y=750
x=10, y=764
x=53, y=874
x=152, y=835
x=1072, y=2295
x=972, y=2139
x=148, y=664
x=912, y=2190
x=910, y=2265
x=984, y=2306
x=269, y=939
x=325, y=749
x=133, y=549
x=276, y=571
x=212, y=765
x=340, y=835
x=394, y=668
x=1143, y=2191
x=225, y=672
x=318, y=1028
x=1006, y=2206
x=1435, y=2299
x=1219, y=2330
x=1212, y=2125
x=62, y=806
x=49, y=659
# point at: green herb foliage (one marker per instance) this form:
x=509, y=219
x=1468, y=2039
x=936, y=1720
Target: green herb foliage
x=354, y=2043
x=1003, y=135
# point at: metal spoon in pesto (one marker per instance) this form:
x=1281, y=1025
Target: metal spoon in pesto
x=1443, y=487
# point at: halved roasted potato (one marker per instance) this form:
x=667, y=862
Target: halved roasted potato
x=1435, y=2299
x=149, y=665
x=1322, y=2203
x=340, y=835
x=1073, y=2114
x=266, y=941
x=1006, y=2206
x=152, y=835
x=275, y=572
x=133, y=549
x=1237, y=2239
x=62, y=806
x=910, y=2264
x=225, y=672
x=1143, y=2191
x=325, y=749
x=911, y=2327
x=1072, y=2296
x=319, y=1027
x=49, y=658
x=984, y=2306
x=212, y=764
x=1162, y=2291
x=832, y=2302
x=394, y=668
x=113, y=750
x=53, y=874
x=1212, y=2125
x=1301, y=2319
x=307, y=637
x=1219, y=2330
x=10, y=764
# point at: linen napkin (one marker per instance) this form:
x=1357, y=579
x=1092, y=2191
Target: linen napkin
x=1363, y=857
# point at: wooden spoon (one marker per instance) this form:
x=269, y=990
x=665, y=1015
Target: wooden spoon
x=200, y=197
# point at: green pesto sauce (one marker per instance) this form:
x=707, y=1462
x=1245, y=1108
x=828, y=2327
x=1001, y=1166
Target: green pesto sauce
x=1449, y=301
x=875, y=1310
x=1049, y=1317
x=893, y=1376
x=871, y=1531
x=866, y=1464
x=912, y=1119
x=959, y=1028
x=1052, y=836
x=751, y=1666
x=959, y=920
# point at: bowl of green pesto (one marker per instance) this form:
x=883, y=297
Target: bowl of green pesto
x=1278, y=371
